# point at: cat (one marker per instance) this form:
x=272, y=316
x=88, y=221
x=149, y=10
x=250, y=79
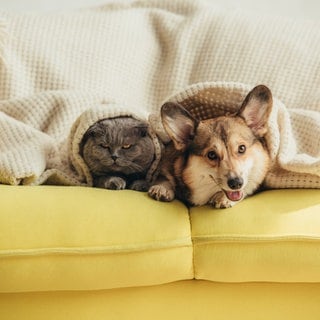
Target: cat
x=118, y=152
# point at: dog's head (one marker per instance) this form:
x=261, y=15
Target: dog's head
x=221, y=154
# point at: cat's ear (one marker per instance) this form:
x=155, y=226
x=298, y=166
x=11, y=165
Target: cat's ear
x=94, y=131
x=179, y=124
x=256, y=109
x=141, y=130
x=98, y=129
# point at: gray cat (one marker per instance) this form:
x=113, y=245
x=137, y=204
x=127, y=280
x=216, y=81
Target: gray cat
x=118, y=153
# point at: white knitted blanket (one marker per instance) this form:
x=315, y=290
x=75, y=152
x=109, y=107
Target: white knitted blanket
x=60, y=72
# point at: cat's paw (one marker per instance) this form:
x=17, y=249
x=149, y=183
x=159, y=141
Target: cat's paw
x=220, y=201
x=139, y=185
x=115, y=183
x=161, y=193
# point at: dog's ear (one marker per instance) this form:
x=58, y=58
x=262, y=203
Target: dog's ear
x=179, y=124
x=256, y=109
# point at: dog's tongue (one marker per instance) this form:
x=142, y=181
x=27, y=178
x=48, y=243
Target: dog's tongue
x=234, y=195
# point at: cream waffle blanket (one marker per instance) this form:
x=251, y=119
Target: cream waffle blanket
x=60, y=72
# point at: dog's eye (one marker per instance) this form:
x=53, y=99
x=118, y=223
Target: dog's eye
x=212, y=155
x=242, y=149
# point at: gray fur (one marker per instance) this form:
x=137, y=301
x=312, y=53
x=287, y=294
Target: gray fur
x=127, y=141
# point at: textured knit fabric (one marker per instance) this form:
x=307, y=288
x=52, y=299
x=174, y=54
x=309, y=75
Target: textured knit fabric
x=131, y=57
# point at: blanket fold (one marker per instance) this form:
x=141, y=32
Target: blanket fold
x=60, y=72
x=47, y=131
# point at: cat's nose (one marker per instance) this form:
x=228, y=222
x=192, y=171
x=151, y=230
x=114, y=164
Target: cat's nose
x=114, y=157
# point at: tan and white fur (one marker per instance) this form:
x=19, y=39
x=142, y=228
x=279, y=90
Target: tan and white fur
x=217, y=161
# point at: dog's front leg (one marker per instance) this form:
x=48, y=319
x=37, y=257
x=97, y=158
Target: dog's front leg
x=220, y=201
x=162, y=190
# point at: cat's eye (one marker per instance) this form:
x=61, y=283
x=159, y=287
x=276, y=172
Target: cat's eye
x=212, y=155
x=242, y=149
x=126, y=146
x=103, y=145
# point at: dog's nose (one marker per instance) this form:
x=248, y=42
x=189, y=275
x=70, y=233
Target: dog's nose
x=235, y=183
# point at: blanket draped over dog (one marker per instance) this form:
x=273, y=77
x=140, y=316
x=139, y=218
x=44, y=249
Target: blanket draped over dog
x=61, y=72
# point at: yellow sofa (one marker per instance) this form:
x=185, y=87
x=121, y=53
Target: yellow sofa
x=86, y=253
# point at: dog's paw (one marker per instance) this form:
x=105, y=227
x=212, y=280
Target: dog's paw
x=115, y=183
x=161, y=193
x=139, y=185
x=220, y=201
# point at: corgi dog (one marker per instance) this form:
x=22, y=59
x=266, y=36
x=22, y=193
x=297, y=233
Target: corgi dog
x=217, y=161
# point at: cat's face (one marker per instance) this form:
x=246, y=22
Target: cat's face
x=118, y=145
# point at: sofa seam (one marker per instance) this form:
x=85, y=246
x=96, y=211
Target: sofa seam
x=193, y=244
x=94, y=250
x=200, y=240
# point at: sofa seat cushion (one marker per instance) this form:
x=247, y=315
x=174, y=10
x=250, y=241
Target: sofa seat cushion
x=271, y=236
x=77, y=238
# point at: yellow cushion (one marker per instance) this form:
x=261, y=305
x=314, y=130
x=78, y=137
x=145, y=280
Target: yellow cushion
x=76, y=238
x=183, y=300
x=272, y=236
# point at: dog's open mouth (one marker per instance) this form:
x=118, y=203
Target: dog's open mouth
x=234, y=195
